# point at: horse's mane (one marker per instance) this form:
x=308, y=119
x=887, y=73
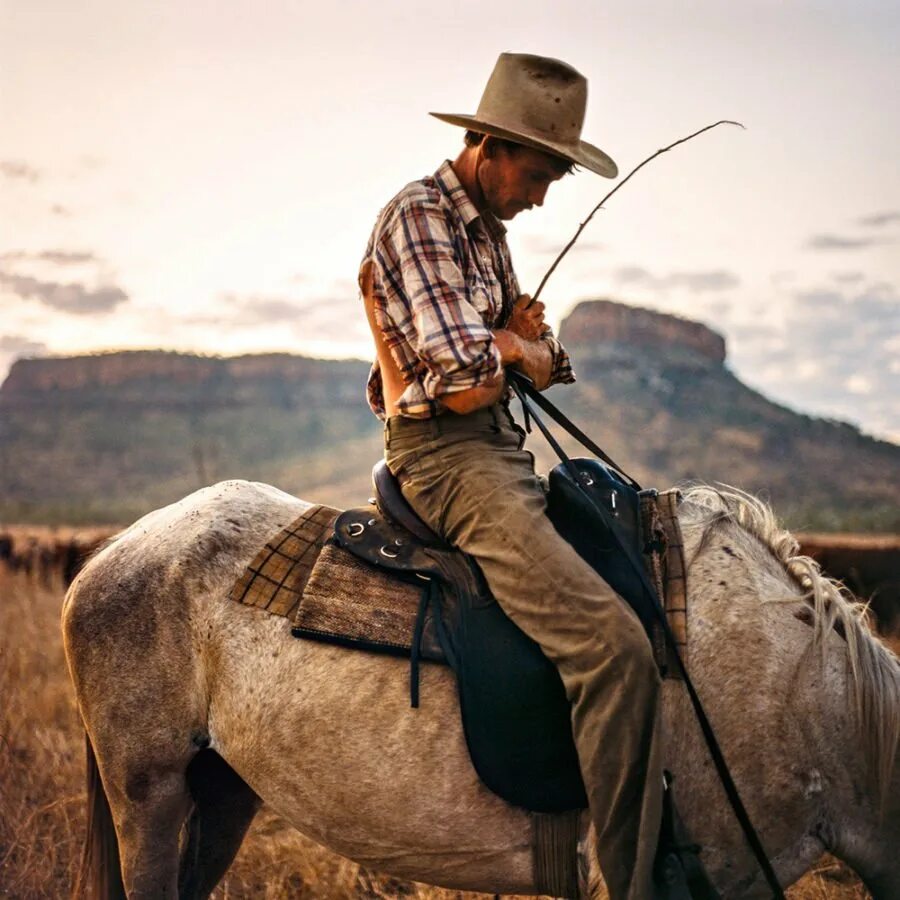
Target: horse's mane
x=874, y=669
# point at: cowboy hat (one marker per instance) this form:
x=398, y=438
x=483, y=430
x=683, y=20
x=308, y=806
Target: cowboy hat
x=538, y=102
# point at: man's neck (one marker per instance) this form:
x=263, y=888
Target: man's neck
x=466, y=168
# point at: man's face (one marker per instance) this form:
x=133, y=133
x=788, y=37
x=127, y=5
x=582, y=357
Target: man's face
x=513, y=180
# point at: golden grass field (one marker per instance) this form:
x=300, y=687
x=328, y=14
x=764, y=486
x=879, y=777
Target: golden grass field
x=42, y=816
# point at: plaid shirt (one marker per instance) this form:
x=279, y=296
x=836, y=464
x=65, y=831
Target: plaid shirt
x=442, y=281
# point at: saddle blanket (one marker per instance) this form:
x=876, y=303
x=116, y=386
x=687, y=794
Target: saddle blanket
x=331, y=595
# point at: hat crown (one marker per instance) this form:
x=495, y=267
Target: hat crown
x=545, y=96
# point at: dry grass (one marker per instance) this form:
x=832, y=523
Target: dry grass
x=41, y=789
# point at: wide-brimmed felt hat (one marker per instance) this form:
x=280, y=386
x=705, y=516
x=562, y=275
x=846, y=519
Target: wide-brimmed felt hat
x=539, y=102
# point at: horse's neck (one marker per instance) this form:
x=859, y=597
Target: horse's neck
x=808, y=703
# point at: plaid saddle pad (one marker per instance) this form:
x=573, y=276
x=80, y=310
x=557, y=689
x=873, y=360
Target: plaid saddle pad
x=328, y=593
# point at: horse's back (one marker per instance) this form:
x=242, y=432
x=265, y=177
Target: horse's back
x=131, y=616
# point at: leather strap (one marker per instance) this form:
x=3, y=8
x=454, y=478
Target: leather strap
x=522, y=384
x=521, y=388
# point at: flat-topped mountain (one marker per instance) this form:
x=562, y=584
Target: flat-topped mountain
x=596, y=325
x=167, y=377
x=109, y=436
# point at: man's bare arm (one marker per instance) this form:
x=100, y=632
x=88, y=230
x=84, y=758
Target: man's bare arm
x=462, y=402
x=531, y=357
x=536, y=363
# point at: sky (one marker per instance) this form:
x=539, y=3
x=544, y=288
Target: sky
x=204, y=176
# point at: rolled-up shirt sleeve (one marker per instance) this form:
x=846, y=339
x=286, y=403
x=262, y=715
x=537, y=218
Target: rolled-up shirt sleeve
x=431, y=306
x=561, y=366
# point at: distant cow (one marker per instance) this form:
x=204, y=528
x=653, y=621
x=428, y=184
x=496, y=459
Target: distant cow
x=870, y=567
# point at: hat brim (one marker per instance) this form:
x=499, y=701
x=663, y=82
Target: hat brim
x=582, y=154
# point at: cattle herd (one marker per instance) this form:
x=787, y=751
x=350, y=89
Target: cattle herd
x=48, y=562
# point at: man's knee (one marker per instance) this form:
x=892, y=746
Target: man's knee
x=621, y=654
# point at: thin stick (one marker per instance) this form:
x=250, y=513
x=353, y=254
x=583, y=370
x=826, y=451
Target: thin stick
x=632, y=172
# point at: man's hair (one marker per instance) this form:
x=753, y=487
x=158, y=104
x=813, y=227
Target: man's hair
x=474, y=138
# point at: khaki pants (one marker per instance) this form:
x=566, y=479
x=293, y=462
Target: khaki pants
x=470, y=480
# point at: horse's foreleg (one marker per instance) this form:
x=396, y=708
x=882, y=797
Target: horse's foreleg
x=224, y=806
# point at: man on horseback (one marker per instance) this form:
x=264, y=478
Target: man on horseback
x=447, y=315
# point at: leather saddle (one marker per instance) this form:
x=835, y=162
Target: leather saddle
x=515, y=713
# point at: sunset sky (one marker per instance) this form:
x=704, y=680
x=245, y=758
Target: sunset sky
x=204, y=176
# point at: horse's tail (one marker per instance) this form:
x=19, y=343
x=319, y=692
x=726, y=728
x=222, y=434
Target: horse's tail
x=100, y=874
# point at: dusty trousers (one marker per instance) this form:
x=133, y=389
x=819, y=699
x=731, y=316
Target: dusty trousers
x=470, y=480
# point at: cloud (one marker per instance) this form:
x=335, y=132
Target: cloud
x=879, y=220
x=839, y=242
x=632, y=275
x=13, y=168
x=15, y=346
x=259, y=310
x=72, y=298
x=337, y=315
x=538, y=245
x=695, y=282
x=834, y=355
x=782, y=277
x=59, y=257
x=18, y=345
x=718, y=280
x=848, y=277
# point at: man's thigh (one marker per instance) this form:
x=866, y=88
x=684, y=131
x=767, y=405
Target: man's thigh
x=485, y=498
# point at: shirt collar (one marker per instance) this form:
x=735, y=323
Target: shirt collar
x=450, y=185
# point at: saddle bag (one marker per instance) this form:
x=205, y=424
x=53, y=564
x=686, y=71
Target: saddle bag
x=599, y=541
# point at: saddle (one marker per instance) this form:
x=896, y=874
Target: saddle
x=515, y=713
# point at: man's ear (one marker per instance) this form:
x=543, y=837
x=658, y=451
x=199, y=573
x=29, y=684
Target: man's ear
x=489, y=146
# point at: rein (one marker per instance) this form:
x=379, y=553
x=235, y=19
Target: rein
x=526, y=392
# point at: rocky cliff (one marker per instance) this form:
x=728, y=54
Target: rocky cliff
x=594, y=325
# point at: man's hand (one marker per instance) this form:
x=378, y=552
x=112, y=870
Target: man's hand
x=510, y=345
x=527, y=318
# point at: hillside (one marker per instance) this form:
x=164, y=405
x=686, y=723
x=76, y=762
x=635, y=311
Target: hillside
x=105, y=438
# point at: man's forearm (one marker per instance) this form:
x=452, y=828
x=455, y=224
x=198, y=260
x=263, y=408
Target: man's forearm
x=534, y=358
x=536, y=363
x=463, y=402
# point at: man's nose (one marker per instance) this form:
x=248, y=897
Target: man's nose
x=537, y=197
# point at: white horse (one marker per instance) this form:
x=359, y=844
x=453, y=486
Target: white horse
x=197, y=709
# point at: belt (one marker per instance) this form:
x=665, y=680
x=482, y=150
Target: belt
x=448, y=422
